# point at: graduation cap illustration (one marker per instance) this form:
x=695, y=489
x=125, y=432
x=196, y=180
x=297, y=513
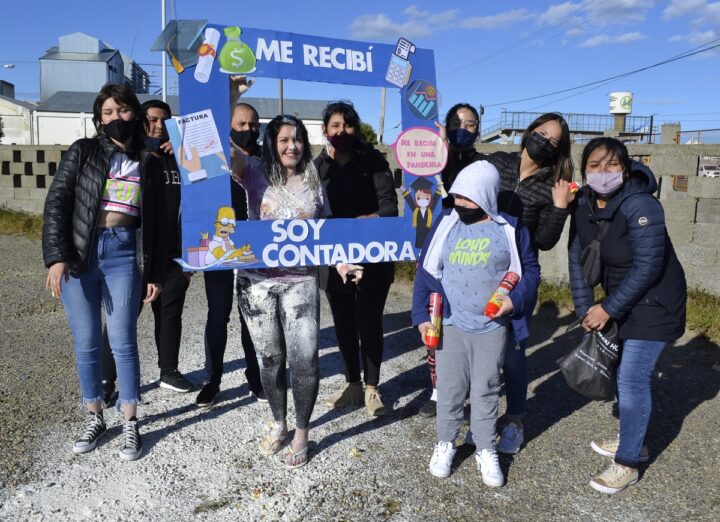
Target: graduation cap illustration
x=421, y=184
x=181, y=39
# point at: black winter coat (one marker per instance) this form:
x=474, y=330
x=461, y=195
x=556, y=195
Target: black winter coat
x=363, y=186
x=641, y=275
x=529, y=199
x=73, y=203
x=457, y=160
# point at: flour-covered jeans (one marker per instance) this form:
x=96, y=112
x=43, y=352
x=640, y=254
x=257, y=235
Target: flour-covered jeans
x=290, y=310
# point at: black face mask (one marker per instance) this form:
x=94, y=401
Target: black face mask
x=470, y=215
x=539, y=148
x=121, y=130
x=153, y=144
x=244, y=139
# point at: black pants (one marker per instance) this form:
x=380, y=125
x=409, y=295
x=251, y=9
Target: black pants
x=167, y=310
x=219, y=289
x=358, y=326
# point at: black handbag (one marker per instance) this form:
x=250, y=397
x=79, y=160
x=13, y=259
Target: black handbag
x=590, y=261
x=591, y=368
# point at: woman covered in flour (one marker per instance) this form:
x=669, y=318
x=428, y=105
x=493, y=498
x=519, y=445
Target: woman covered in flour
x=467, y=254
x=282, y=305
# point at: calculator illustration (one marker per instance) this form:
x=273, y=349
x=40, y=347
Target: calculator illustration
x=398, y=72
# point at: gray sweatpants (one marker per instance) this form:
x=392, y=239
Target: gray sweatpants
x=469, y=361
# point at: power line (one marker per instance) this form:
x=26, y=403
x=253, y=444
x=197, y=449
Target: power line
x=616, y=77
x=528, y=39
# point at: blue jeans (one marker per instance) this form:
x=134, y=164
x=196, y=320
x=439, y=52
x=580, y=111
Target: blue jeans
x=637, y=362
x=516, y=377
x=113, y=280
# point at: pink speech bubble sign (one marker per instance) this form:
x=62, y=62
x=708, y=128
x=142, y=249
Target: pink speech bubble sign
x=421, y=151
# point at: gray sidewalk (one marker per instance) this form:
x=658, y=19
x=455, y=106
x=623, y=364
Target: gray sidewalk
x=205, y=465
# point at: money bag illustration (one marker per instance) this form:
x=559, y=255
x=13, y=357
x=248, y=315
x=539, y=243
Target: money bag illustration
x=235, y=56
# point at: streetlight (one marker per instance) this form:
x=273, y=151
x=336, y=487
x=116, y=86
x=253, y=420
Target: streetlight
x=8, y=65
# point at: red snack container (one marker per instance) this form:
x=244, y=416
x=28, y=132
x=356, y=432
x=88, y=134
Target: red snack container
x=574, y=186
x=432, y=335
x=506, y=286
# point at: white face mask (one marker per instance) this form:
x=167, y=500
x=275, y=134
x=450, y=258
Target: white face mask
x=423, y=203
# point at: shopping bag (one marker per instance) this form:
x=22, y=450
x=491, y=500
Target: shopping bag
x=590, y=369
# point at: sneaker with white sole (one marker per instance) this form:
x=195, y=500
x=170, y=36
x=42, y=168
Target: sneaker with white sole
x=131, y=447
x=608, y=448
x=175, y=381
x=489, y=466
x=94, y=428
x=511, y=439
x=441, y=461
x=614, y=479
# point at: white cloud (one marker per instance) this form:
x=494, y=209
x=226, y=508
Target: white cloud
x=614, y=12
x=575, y=31
x=419, y=22
x=676, y=38
x=380, y=27
x=557, y=13
x=679, y=8
x=605, y=39
x=496, y=20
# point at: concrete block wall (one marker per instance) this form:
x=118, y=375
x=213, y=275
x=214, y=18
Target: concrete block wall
x=25, y=174
x=692, y=217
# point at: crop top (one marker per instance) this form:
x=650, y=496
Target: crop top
x=123, y=187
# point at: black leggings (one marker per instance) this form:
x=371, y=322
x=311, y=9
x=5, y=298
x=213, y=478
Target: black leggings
x=358, y=315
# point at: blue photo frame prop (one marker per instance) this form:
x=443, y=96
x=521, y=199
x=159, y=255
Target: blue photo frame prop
x=205, y=90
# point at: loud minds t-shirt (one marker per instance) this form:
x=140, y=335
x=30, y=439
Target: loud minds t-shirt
x=475, y=259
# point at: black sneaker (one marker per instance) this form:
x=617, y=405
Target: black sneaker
x=94, y=428
x=261, y=396
x=109, y=395
x=429, y=409
x=175, y=381
x=207, y=395
x=131, y=447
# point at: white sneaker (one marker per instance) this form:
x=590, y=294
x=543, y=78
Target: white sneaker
x=489, y=466
x=441, y=460
x=511, y=439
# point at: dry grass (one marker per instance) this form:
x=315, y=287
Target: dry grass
x=14, y=222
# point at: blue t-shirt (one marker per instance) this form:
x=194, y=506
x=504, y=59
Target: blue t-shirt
x=475, y=259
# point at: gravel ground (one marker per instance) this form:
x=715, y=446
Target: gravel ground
x=204, y=464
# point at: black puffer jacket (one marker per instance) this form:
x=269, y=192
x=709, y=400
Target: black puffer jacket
x=529, y=199
x=641, y=275
x=457, y=160
x=363, y=186
x=73, y=203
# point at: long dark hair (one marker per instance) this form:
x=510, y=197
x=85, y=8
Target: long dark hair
x=271, y=162
x=562, y=162
x=452, y=120
x=123, y=95
x=614, y=148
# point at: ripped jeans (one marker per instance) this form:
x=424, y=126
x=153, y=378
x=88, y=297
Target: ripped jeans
x=113, y=280
x=274, y=310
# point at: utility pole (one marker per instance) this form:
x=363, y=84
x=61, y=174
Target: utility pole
x=164, y=54
x=381, y=124
x=282, y=100
x=480, y=112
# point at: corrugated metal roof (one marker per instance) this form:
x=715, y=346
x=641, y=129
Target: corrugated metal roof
x=54, y=54
x=303, y=109
x=27, y=105
x=69, y=101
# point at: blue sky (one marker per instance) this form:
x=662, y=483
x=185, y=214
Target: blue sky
x=489, y=53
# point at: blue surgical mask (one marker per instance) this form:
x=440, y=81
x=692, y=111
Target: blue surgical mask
x=153, y=144
x=462, y=139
